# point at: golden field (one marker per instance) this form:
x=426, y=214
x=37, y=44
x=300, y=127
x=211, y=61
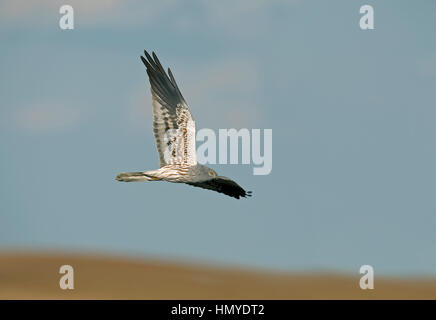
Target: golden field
x=36, y=276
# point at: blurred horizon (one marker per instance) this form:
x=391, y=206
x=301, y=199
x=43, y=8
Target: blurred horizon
x=352, y=113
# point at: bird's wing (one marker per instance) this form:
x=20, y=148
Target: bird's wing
x=173, y=125
x=223, y=185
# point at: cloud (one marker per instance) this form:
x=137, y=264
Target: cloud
x=139, y=111
x=45, y=117
x=222, y=94
x=25, y=8
x=25, y=13
x=235, y=16
x=243, y=17
x=95, y=13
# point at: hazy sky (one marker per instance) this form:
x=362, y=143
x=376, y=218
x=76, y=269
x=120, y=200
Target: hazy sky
x=352, y=112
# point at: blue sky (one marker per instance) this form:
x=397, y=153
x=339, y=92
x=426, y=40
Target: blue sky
x=353, y=116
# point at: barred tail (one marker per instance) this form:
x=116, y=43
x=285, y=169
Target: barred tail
x=134, y=177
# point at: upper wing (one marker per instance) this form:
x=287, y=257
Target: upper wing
x=173, y=125
x=223, y=185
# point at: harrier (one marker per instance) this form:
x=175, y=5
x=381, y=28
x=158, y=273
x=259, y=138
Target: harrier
x=174, y=133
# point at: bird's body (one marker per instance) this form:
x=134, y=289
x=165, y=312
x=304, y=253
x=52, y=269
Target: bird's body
x=174, y=132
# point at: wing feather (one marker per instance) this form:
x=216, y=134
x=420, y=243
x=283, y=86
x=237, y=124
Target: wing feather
x=223, y=185
x=173, y=125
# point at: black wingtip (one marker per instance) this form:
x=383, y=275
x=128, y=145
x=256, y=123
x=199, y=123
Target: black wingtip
x=150, y=61
x=146, y=63
x=148, y=55
x=246, y=194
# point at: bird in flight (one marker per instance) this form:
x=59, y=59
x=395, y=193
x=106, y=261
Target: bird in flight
x=174, y=134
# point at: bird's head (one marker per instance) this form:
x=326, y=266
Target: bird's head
x=212, y=173
x=205, y=172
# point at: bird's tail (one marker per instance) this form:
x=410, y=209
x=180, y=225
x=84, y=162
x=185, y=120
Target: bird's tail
x=135, y=177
